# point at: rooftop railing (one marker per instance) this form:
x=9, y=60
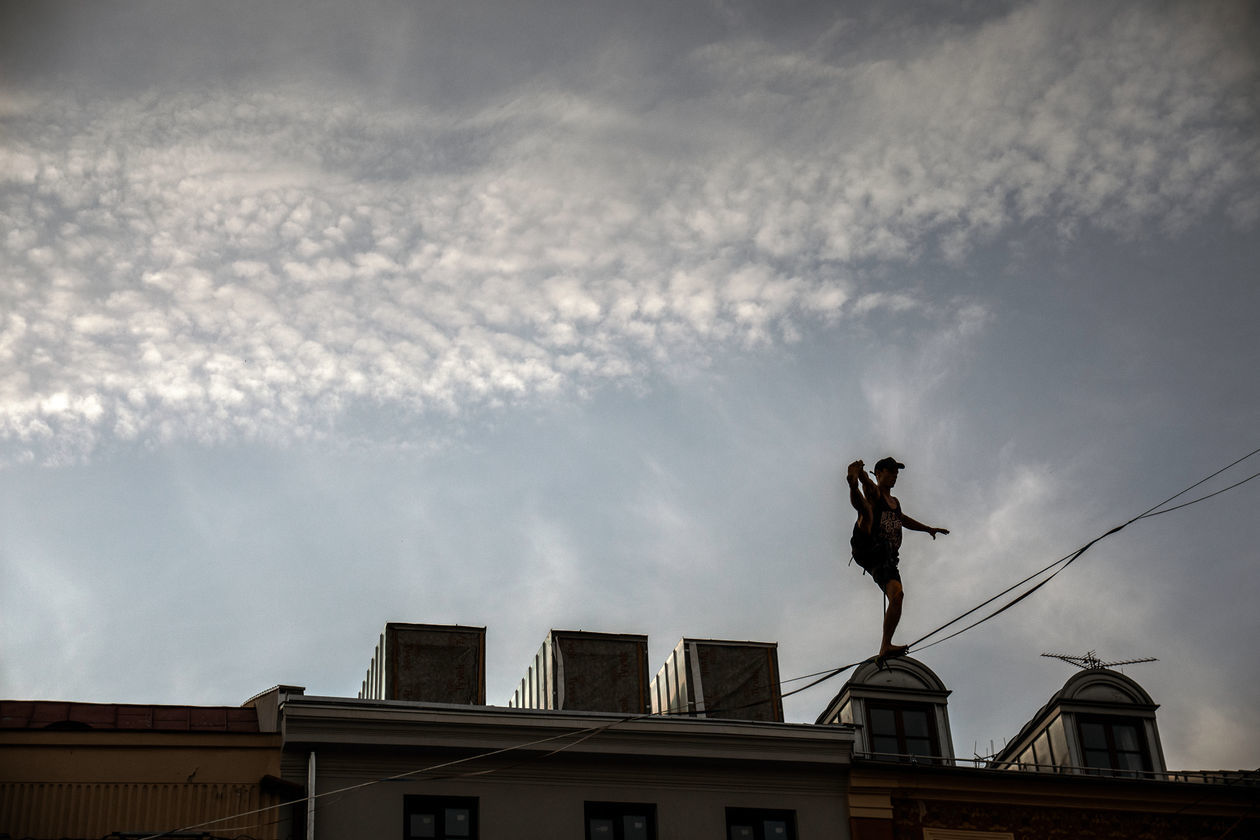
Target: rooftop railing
x=1250, y=778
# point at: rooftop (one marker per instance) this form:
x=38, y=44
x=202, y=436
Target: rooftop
x=51, y=714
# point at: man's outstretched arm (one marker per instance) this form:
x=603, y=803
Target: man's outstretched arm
x=914, y=525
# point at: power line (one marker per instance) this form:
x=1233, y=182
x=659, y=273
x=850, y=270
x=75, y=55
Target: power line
x=1062, y=563
x=587, y=733
x=1201, y=498
x=1069, y=559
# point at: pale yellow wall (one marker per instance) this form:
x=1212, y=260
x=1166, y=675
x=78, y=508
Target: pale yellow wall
x=90, y=784
x=137, y=757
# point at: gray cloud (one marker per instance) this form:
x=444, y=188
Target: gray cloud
x=714, y=255
x=242, y=262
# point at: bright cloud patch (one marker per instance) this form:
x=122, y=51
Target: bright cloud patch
x=237, y=263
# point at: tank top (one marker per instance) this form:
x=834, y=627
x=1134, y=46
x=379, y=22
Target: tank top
x=886, y=524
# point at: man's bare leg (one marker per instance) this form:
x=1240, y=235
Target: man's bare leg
x=892, y=616
x=856, y=497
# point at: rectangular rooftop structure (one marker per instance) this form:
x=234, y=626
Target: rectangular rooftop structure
x=432, y=663
x=589, y=672
x=720, y=679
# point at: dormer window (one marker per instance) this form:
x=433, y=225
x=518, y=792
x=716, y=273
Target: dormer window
x=1101, y=723
x=1116, y=744
x=902, y=730
x=898, y=711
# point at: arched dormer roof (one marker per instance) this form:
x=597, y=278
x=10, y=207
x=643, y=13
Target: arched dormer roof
x=1099, y=688
x=1100, y=699
x=1100, y=685
x=898, y=708
x=901, y=677
x=901, y=673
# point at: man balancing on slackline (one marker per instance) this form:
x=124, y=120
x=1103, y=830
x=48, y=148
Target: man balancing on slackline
x=877, y=538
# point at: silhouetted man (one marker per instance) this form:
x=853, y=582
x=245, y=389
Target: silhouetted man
x=876, y=538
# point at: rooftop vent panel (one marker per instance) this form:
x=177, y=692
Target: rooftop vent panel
x=430, y=663
x=592, y=672
x=720, y=679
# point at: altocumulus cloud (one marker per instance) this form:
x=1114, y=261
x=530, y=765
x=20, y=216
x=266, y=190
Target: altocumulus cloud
x=238, y=262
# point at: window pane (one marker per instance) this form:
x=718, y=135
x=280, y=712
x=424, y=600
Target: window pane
x=760, y=824
x=602, y=828
x=1131, y=761
x=634, y=828
x=918, y=746
x=1042, y=748
x=884, y=745
x=457, y=822
x=776, y=830
x=423, y=825
x=1092, y=736
x=916, y=724
x=1126, y=737
x=1058, y=742
x=1097, y=758
x=883, y=721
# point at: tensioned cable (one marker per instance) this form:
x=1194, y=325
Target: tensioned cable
x=1062, y=563
x=590, y=732
x=585, y=733
x=1072, y=558
x=1201, y=498
x=1069, y=559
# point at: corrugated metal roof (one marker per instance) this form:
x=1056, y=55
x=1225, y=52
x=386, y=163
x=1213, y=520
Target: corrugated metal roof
x=64, y=809
x=48, y=714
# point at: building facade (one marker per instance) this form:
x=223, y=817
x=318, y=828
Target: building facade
x=894, y=800
x=420, y=756
x=1087, y=765
x=415, y=770
x=90, y=770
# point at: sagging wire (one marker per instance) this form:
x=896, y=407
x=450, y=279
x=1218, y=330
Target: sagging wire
x=587, y=733
x=1069, y=559
x=1061, y=564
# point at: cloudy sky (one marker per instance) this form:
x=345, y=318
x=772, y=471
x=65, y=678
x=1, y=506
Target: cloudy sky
x=570, y=315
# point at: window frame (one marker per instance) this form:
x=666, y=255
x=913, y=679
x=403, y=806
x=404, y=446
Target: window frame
x=417, y=803
x=1114, y=751
x=899, y=708
x=618, y=811
x=757, y=818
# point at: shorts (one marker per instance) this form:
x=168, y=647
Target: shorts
x=876, y=559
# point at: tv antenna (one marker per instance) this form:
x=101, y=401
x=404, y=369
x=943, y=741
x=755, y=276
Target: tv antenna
x=1091, y=660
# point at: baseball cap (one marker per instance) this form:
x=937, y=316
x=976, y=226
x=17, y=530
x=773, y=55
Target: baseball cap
x=889, y=463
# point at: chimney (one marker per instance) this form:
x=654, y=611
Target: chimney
x=431, y=663
x=720, y=679
x=591, y=672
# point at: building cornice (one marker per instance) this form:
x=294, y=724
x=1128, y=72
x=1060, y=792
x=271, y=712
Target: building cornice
x=309, y=722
